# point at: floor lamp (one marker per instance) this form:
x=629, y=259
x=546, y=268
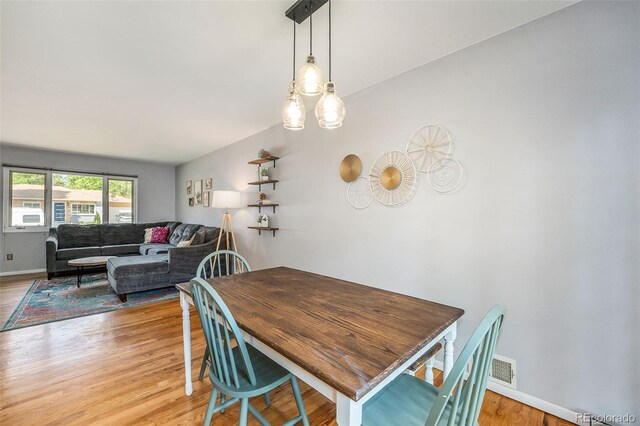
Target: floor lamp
x=226, y=200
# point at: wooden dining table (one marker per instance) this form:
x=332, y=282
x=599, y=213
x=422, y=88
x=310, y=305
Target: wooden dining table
x=345, y=340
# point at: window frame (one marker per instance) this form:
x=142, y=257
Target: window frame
x=7, y=196
x=83, y=204
x=24, y=204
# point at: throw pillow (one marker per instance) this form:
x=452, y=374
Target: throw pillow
x=186, y=243
x=159, y=235
x=147, y=235
x=198, y=238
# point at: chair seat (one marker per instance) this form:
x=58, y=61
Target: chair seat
x=268, y=373
x=406, y=401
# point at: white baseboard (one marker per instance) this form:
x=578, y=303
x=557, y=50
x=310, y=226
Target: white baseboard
x=527, y=399
x=29, y=271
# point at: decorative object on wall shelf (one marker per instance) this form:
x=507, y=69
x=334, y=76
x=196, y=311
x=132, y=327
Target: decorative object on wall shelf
x=445, y=174
x=428, y=144
x=392, y=178
x=206, y=202
x=189, y=187
x=263, y=220
x=208, y=184
x=263, y=153
x=264, y=202
x=359, y=193
x=265, y=173
x=350, y=168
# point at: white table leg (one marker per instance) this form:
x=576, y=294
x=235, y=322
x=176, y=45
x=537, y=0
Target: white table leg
x=449, y=338
x=348, y=412
x=186, y=340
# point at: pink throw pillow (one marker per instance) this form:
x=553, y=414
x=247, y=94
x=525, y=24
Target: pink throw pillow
x=159, y=235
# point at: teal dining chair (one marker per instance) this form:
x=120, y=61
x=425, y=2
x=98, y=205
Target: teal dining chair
x=408, y=401
x=239, y=371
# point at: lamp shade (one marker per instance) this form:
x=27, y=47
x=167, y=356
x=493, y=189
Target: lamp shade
x=226, y=200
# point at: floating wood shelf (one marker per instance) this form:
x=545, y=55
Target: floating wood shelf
x=263, y=182
x=260, y=206
x=265, y=160
x=261, y=228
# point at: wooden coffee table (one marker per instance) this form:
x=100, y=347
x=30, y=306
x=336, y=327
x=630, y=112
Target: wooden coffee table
x=85, y=262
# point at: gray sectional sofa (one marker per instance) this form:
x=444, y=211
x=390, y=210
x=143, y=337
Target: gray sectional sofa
x=138, y=266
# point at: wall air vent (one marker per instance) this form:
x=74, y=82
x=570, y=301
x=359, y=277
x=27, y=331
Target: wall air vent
x=503, y=371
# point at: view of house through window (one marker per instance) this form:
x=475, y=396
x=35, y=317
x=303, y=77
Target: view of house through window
x=76, y=199
x=120, y=201
x=27, y=199
x=36, y=199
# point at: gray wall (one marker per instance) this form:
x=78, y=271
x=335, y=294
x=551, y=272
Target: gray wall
x=545, y=119
x=156, y=196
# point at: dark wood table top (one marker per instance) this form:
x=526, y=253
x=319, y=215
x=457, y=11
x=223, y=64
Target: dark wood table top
x=350, y=336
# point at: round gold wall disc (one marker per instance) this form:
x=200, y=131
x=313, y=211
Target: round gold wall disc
x=350, y=168
x=390, y=178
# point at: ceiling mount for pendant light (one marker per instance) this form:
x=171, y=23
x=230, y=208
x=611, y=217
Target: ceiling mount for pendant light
x=293, y=111
x=310, y=75
x=330, y=110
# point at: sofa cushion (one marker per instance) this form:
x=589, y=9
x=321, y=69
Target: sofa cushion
x=144, y=248
x=72, y=236
x=183, y=232
x=112, y=234
x=78, y=252
x=158, y=250
x=138, y=230
x=138, y=266
x=120, y=249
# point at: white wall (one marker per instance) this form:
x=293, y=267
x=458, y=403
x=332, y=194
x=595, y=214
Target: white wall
x=156, y=196
x=545, y=119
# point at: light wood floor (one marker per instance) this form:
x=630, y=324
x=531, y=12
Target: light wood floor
x=125, y=368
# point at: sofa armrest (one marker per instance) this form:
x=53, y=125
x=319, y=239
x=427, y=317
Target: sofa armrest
x=184, y=261
x=51, y=250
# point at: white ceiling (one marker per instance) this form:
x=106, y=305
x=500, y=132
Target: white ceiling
x=169, y=81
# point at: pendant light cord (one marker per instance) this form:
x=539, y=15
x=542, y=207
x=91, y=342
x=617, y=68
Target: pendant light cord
x=294, y=50
x=329, y=40
x=311, y=33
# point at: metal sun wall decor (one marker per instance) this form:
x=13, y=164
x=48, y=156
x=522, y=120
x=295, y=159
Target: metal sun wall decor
x=393, y=176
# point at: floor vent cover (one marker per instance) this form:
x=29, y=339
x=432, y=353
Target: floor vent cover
x=503, y=371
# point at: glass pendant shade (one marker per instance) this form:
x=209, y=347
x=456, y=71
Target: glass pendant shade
x=293, y=111
x=330, y=109
x=310, y=78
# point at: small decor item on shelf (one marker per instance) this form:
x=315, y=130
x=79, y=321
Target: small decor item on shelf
x=263, y=199
x=264, y=154
x=359, y=193
x=208, y=183
x=189, y=187
x=445, y=174
x=428, y=144
x=350, y=168
x=263, y=220
x=205, y=199
x=264, y=173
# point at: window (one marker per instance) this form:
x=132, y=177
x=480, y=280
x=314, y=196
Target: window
x=26, y=196
x=77, y=198
x=120, y=200
x=37, y=199
x=83, y=209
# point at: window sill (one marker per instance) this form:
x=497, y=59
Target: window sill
x=29, y=230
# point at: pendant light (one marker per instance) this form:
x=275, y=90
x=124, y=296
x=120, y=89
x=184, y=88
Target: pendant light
x=293, y=112
x=330, y=109
x=310, y=75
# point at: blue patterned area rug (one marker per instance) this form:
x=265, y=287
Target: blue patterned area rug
x=59, y=299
